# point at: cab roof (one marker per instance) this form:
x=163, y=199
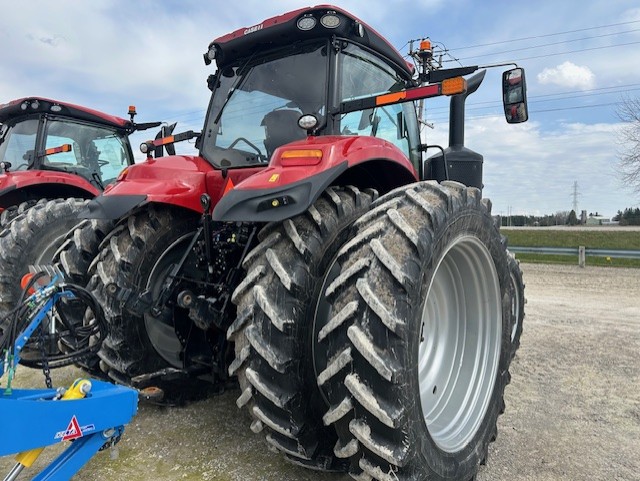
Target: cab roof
x=34, y=105
x=283, y=30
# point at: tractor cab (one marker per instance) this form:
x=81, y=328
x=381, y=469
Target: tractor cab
x=38, y=134
x=288, y=77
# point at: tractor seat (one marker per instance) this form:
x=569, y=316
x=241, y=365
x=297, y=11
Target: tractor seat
x=281, y=127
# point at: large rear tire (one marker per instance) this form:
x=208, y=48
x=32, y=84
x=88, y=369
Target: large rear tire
x=272, y=333
x=143, y=349
x=32, y=238
x=412, y=355
x=13, y=211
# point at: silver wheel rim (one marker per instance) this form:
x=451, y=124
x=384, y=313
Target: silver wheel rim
x=459, y=349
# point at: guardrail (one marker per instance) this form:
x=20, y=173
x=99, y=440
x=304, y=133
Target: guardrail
x=574, y=251
x=581, y=252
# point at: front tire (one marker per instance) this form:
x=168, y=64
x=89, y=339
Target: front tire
x=413, y=353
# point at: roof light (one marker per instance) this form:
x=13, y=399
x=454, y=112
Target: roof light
x=55, y=108
x=330, y=20
x=307, y=22
x=452, y=86
x=24, y=105
x=35, y=104
x=359, y=29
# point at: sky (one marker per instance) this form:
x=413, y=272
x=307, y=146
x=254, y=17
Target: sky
x=581, y=60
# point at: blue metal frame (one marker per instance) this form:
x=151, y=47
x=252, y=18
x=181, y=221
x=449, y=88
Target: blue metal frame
x=35, y=418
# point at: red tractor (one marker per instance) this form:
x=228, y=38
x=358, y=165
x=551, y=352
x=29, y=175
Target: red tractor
x=54, y=156
x=360, y=292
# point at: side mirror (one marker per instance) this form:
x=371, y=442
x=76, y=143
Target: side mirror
x=514, y=96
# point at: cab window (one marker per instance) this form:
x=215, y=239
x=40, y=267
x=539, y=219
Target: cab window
x=18, y=143
x=95, y=151
x=362, y=74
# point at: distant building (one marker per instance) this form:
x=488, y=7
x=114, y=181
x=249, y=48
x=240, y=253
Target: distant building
x=583, y=217
x=598, y=220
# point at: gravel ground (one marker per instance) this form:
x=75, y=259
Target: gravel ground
x=573, y=406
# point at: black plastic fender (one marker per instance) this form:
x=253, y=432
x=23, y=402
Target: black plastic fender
x=274, y=205
x=111, y=207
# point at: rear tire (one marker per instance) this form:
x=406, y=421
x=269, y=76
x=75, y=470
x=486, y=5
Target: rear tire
x=137, y=257
x=32, y=239
x=13, y=211
x=276, y=305
x=412, y=355
x=75, y=255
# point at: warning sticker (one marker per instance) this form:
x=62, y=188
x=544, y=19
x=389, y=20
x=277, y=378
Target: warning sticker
x=74, y=431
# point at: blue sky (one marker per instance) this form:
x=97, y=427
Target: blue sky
x=581, y=59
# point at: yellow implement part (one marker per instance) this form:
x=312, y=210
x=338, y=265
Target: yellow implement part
x=79, y=389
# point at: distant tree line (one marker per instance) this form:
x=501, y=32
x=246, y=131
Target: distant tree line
x=559, y=218
x=628, y=216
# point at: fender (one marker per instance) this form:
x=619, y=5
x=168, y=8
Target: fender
x=299, y=172
x=174, y=180
x=16, y=187
x=22, y=179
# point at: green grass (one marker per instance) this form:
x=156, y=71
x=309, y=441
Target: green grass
x=595, y=239
x=609, y=239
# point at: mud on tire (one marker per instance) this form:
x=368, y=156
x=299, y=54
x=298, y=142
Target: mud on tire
x=412, y=354
x=276, y=304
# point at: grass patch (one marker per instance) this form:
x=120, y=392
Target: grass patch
x=595, y=239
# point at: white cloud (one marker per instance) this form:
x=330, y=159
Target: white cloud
x=568, y=75
x=528, y=168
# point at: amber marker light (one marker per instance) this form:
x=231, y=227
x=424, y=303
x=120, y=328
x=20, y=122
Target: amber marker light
x=301, y=157
x=452, y=86
x=57, y=150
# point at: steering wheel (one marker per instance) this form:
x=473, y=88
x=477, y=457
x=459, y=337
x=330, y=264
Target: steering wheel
x=250, y=144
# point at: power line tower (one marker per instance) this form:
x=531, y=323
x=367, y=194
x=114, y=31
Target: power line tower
x=575, y=195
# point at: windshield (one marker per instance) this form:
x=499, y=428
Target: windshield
x=256, y=107
x=97, y=153
x=18, y=144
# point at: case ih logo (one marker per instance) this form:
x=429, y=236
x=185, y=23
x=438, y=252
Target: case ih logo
x=74, y=431
x=255, y=28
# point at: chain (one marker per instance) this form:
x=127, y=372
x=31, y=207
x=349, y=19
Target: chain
x=45, y=361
